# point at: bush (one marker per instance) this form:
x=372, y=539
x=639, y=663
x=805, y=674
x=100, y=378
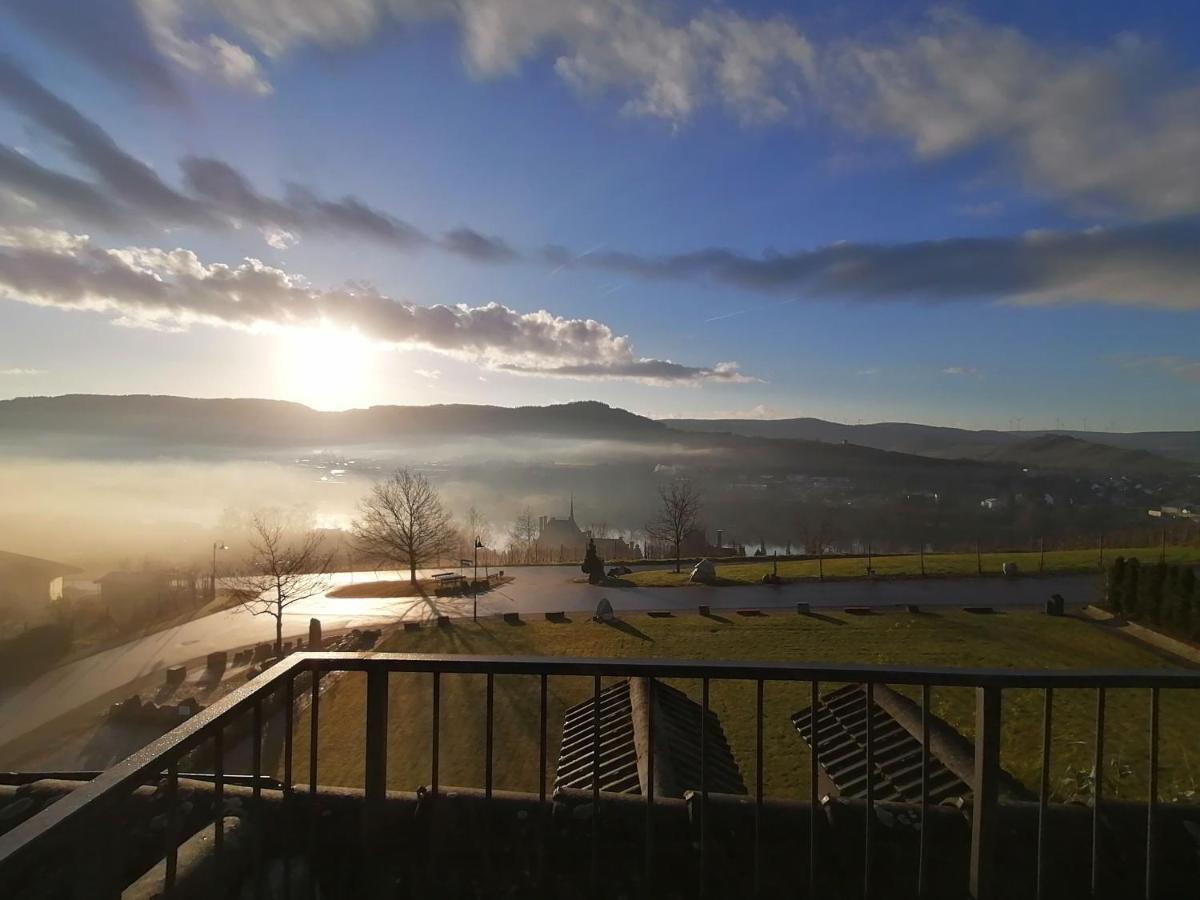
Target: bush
x=33, y=652
x=1115, y=586
x=1161, y=595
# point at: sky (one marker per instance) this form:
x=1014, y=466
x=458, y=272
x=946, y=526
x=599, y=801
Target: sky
x=976, y=214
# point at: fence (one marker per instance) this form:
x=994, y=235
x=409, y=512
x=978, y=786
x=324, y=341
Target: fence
x=79, y=837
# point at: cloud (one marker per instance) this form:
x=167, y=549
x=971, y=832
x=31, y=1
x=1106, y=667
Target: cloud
x=664, y=65
x=428, y=374
x=17, y=373
x=1152, y=265
x=216, y=194
x=653, y=371
x=109, y=34
x=130, y=179
x=150, y=287
x=58, y=193
x=871, y=371
x=962, y=371
x=1114, y=127
x=1177, y=366
x=479, y=247
x=208, y=54
x=278, y=238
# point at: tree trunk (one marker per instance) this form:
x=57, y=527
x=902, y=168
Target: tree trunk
x=677, y=570
x=412, y=570
x=279, y=634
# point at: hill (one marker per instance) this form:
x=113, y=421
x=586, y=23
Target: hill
x=166, y=420
x=1060, y=451
x=961, y=443
x=137, y=426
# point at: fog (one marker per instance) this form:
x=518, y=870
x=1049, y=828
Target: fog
x=118, y=513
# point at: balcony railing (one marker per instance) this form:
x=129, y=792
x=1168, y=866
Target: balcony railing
x=82, y=844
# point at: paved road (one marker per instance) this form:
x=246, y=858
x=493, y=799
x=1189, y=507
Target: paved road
x=533, y=591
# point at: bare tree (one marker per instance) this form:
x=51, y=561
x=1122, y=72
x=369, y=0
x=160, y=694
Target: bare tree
x=477, y=526
x=403, y=523
x=678, y=514
x=525, y=532
x=288, y=562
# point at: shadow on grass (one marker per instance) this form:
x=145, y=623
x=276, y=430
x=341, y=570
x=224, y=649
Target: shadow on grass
x=821, y=617
x=621, y=625
x=717, y=618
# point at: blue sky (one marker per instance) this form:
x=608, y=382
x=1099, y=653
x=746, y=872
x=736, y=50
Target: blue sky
x=958, y=214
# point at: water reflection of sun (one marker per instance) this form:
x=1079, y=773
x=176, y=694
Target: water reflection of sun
x=325, y=367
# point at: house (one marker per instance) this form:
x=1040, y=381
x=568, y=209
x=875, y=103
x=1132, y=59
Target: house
x=28, y=586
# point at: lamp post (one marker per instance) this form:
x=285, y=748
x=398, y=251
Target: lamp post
x=475, y=582
x=212, y=584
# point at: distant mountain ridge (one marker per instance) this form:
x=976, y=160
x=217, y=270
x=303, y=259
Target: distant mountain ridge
x=114, y=424
x=251, y=422
x=958, y=443
x=141, y=426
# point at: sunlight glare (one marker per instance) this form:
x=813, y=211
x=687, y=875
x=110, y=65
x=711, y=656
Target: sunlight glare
x=326, y=368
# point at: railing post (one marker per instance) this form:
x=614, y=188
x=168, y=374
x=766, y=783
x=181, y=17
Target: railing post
x=375, y=780
x=986, y=793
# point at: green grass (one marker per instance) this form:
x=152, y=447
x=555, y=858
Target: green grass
x=909, y=565
x=1013, y=639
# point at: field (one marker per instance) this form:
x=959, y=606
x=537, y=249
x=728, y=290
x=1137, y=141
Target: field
x=1017, y=639
x=939, y=565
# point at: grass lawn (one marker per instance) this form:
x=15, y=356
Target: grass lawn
x=1017, y=639
x=937, y=565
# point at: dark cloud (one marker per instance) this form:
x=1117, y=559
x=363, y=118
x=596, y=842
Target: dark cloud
x=227, y=189
x=1154, y=264
x=109, y=34
x=301, y=210
x=650, y=370
x=480, y=247
x=129, y=189
x=349, y=214
x=129, y=179
x=62, y=193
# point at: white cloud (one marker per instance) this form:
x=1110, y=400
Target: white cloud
x=428, y=374
x=211, y=55
x=278, y=238
x=151, y=287
x=667, y=65
x=962, y=371
x=1105, y=128
x=18, y=373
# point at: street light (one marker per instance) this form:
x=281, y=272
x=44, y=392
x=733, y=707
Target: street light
x=212, y=584
x=475, y=582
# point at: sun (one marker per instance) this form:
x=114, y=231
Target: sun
x=326, y=367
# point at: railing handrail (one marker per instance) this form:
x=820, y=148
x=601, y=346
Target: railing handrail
x=154, y=757
x=736, y=670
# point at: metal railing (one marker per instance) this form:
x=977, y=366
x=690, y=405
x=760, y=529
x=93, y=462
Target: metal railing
x=91, y=808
